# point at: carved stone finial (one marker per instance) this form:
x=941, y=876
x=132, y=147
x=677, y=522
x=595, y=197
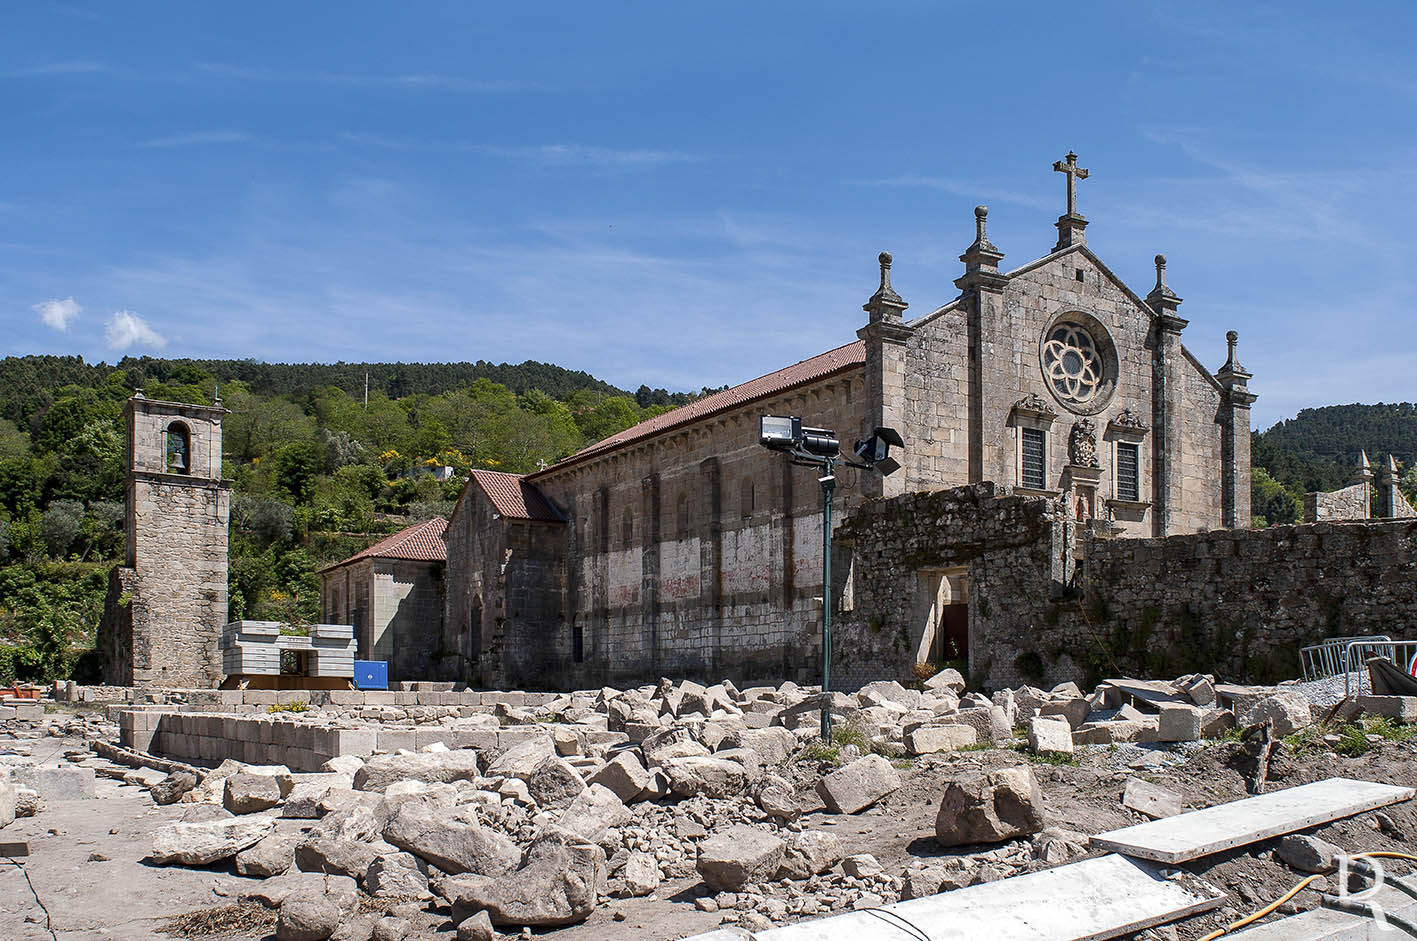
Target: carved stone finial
x=1364, y=472
x=1232, y=370
x=885, y=304
x=1162, y=299
x=1082, y=444
x=981, y=214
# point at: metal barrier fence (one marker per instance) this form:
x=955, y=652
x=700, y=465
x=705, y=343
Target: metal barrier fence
x=1349, y=656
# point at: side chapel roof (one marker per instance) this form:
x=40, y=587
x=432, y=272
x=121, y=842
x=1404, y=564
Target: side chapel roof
x=422, y=542
x=513, y=497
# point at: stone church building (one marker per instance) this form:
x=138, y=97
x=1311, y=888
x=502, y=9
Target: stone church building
x=681, y=547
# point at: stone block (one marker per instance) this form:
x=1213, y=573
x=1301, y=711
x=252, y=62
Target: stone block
x=1179, y=723
x=1074, y=710
x=1150, y=800
x=928, y=739
x=1400, y=708
x=1050, y=735
x=856, y=786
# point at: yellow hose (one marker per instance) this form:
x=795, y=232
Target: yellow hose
x=1303, y=884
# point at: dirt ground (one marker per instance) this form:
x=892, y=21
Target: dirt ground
x=86, y=857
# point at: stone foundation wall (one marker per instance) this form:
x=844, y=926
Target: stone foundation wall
x=300, y=745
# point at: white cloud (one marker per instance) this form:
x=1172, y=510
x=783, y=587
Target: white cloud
x=126, y=328
x=58, y=313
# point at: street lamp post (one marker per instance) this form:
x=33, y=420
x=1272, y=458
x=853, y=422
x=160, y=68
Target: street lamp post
x=819, y=448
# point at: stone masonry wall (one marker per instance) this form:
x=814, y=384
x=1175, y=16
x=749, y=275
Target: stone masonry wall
x=698, y=554
x=1349, y=503
x=1240, y=603
x=181, y=543
x=1237, y=603
x=1012, y=550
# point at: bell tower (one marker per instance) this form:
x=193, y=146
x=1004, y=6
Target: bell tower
x=167, y=604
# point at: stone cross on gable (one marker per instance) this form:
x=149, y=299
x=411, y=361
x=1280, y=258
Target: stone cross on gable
x=1069, y=165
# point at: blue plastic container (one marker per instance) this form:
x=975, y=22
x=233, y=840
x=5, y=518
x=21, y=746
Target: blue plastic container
x=371, y=674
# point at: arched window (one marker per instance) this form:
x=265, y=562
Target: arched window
x=746, y=497
x=627, y=529
x=179, y=449
x=681, y=517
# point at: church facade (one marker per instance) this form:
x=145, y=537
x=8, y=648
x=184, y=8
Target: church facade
x=681, y=547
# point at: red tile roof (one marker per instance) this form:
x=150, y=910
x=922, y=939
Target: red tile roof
x=514, y=498
x=827, y=364
x=422, y=542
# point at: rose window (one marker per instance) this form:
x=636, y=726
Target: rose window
x=1072, y=364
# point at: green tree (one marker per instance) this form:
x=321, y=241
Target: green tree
x=296, y=467
x=1271, y=501
x=60, y=525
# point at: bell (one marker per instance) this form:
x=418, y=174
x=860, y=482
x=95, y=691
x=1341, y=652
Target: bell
x=177, y=461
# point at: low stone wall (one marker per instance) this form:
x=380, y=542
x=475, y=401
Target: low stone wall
x=219, y=699
x=299, y=744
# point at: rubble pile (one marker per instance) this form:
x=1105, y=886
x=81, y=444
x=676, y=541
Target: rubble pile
x=610, y=794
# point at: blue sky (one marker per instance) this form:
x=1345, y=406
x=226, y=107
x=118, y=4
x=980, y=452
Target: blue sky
x=689, y=194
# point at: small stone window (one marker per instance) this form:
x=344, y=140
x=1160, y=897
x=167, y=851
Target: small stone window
x=1128, y=471
x=1033, y=461
x=682, y=520
x=627, y=529
x=747, y=498
x=577, y=643
x=179, y=449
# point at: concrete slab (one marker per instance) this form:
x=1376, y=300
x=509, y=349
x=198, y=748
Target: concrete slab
x=1103, y=897
x=1323, y=924
x=1150, y=693
x=1225, y=826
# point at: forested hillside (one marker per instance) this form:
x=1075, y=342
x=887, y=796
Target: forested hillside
x=319, y=472
x=1319, y=449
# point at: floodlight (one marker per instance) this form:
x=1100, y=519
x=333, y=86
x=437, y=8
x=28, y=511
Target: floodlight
x=779, y=432
x=876, y=449
x=821, y=442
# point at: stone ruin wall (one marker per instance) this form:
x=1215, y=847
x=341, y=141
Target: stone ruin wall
x=1237, y=603
x=1350, y=503
x=1240, y=603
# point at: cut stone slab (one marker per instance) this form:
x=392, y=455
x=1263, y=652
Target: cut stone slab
x=1151, y=800
x=1104, y=897
x=1151, y=693
x=58, y=784
x=1225, y=826
x=1326, y=924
